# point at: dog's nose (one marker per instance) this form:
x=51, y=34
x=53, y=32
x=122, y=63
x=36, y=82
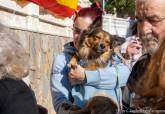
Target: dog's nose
x=101, y=46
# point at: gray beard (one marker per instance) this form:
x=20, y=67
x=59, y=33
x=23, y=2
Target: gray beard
x=150, y=43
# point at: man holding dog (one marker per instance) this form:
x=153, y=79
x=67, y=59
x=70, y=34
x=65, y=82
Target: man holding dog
x=151, y=27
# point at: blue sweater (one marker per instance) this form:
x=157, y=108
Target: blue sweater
x=101, y=80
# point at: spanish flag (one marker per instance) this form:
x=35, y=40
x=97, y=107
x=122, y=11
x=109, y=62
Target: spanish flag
x=64, y=8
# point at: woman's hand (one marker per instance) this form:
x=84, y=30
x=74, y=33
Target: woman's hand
x=77, y=75
x=134, y=48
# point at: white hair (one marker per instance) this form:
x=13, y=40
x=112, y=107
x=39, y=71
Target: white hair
x=14, y=62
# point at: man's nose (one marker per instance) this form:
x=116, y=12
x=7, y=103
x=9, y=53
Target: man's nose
x=145, y=27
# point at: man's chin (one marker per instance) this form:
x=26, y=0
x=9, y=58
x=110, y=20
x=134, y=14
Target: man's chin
x=150, y=42
x=152, y=48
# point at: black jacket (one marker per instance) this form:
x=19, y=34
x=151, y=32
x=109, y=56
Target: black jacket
x=138, y=71
x=16, y=97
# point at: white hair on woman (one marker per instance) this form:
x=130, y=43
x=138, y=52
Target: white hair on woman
x=14, y=61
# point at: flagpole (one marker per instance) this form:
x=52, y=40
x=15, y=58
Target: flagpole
x=103, y=1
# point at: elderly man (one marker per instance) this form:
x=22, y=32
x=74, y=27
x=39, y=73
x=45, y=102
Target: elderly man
x=151, y=27
x=151, y=17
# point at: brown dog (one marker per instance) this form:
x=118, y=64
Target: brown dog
x=98, y=105
x=95, y=48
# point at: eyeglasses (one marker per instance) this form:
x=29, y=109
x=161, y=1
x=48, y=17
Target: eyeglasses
x=77, y=30
x=154, y=21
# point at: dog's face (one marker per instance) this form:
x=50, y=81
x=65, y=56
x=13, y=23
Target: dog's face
x=97, y=41
x=94, y=41
x=94, y=49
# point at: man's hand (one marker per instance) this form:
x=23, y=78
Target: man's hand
x=77, y=75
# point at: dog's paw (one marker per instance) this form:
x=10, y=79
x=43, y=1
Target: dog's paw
x=74, y=108
x=67, y=106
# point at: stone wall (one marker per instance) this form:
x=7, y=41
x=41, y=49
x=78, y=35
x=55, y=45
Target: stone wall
x=43, y=36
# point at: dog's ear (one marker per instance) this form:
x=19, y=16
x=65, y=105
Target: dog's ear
x=97, y=23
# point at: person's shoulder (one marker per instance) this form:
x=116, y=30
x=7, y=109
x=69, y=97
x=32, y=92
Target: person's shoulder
x=138, y=70
x=69, y=48
x=60, y=56
x=11, y=84
x=145, y=56
x=3, y=86
x=143, y=61
x=60, y=59
x=17, y=91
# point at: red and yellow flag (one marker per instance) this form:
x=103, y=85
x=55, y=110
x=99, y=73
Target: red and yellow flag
x=65, y=8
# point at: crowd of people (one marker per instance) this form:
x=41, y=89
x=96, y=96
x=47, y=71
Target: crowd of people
x=123, y=79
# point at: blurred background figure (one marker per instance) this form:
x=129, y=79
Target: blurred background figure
x=131, y=50
x=15, y=96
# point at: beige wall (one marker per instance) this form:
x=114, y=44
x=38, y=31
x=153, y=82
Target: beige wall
x=43, y=36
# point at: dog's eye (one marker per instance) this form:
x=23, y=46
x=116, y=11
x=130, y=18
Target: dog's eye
x=97, y=37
